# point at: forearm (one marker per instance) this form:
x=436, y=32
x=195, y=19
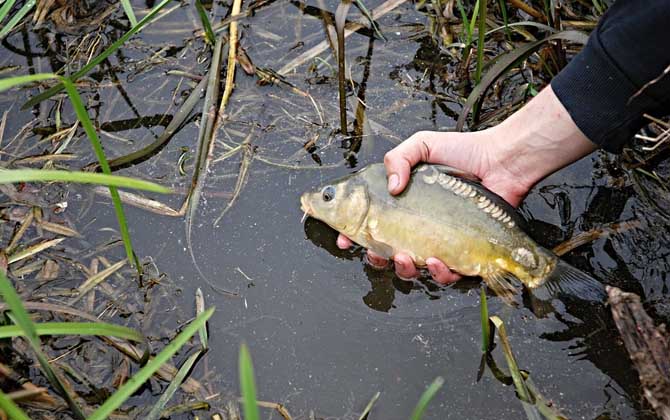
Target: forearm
x=596, y=101
x=538, y=140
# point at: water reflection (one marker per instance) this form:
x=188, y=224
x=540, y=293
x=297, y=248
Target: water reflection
x=384, y=284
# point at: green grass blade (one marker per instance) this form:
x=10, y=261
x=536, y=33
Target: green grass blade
x=86, y=123
x=98, y=59
x=134, y=383
x=128, y=9
x=16, y=18
x=9, y=176
x=514, y=25
x=177, y=121
x=365, y=12
x=548, y=13
x=206, y=25
x=75, y=328
x=480, y=41
x=486, y=327
x=503, y=11
x=519, y=383
x=200, y=308
x=21, y=80
x=466, y=22
x=466, y=29
x=11, y=409
x=473, y=19
x=427, y=395
x=546, y=408
x=157, y=409
x=507, y=61
x=247, y=385
x=6, y=7
x=368, y=408
x=22, y=319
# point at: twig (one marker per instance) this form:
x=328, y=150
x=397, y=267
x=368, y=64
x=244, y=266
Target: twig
x=593, y=234
x=232, y=58
x=377, y=13
x=519, y=4
x=647, y=345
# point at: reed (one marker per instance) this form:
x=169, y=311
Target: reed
x=11, y=23
x=340, y=20
x=128, y=9
x=248, y=385
x=426, y=397
x=99, y=58
x=206, y=24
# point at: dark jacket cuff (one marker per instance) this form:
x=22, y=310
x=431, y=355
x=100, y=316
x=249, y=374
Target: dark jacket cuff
x=597, y=95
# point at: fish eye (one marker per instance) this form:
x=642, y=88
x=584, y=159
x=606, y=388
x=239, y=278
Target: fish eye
x=328, y=193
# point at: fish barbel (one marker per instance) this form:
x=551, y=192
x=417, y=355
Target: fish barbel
x=446, y=214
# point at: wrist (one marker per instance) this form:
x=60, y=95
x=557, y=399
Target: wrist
x=538, y=140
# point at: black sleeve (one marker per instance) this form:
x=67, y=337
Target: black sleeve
x=629, y=48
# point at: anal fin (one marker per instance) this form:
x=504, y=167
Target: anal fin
x=501, y=284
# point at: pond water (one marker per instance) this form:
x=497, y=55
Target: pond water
x=326, y=331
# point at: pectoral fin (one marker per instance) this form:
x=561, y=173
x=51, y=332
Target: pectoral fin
x=501, y=284
x=378, y=248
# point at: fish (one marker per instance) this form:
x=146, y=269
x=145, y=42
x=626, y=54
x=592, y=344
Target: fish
x=447, y=214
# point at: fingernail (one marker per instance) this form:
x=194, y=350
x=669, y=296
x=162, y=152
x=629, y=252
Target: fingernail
x=393, y=182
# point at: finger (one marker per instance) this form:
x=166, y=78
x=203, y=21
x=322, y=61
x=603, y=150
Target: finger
x=343, y=242
x=376, y=260
x=404, y=267
x=399, y=161
x=440, y=272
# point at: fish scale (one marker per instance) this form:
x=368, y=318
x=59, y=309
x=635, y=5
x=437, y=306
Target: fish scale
x=462, y=189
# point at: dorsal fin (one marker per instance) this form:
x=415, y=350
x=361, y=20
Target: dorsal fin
x=450, y=170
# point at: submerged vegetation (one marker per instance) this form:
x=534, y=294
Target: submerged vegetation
x=499, y=54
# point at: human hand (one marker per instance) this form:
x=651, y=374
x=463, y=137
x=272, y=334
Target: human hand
x=470, y=152
x=509, y=159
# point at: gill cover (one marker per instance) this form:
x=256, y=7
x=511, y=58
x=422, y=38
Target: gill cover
x=343, y=205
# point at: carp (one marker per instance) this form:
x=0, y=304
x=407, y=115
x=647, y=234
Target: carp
x=447, y=214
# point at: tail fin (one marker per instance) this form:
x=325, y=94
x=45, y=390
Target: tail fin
x=566, y=279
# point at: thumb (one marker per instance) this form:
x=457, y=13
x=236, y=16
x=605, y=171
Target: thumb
x=400, y=160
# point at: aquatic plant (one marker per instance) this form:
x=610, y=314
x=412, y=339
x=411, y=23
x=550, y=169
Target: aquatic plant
x=534, y=404
x=426, y=397
x=8, y=176
x=11, y=23
x=23, y=326
x=206, y=24
x=92, y=134
x=480, y=41
x=128, y=9
x=248, y=384
x=99, y=58
x=505, y=62
x=486, y=326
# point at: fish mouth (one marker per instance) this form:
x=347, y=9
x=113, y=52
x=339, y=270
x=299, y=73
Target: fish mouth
x=304, y=206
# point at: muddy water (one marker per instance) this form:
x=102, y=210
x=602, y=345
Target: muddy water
x=326, y=331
